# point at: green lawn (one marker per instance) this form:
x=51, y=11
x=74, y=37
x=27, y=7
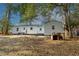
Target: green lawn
x=38, y=47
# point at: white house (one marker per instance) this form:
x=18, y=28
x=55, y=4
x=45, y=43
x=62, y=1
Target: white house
x=41, y=25
x=47, y=28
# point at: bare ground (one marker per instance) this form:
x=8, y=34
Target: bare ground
x=26, y=46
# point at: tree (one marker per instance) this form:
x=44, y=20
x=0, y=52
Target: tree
x=66, y=8
x=67, y=18
x=30, y=10
x=67, y=27
x=10, y=8
x=27, y=11
x=74, y=22
x=1, y=27
x=46, y=9
x=71, y=18
x=3, y=24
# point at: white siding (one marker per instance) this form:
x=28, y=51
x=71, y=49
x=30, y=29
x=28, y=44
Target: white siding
x=45, y=29
x=58, y=28
x=27, y=30
x=40, y=31
x=20, y=29
x=35, y=30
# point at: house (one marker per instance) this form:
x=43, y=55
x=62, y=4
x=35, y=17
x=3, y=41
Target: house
x=48, y=28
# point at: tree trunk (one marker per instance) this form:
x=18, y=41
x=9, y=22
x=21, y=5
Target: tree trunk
x=67, y=22
x=69, y=26
x=7, y=28
x=2, y=30
x=8, y=21
x=66, y=26
x=71, y=33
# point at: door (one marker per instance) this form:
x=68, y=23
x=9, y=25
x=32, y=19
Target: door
x=55, y=37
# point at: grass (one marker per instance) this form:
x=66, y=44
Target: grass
x=38, y=47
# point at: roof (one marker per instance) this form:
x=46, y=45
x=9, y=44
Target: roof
x=25, y=24
x=21, y=24
x=54, y=21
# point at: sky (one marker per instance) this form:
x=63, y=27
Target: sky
x=16, y=18
x=2, y=8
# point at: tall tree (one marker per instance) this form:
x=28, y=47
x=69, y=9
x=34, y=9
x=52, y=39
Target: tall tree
x=70, y=22
x=3, y=23
x=66, y=9
x=46, y=9
x=66, y=14
x=10, y=8
x=27, y=11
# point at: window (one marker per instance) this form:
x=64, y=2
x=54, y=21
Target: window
x=53, y=27
x=40, y=29
x=31, y=28
x=17, y=29
x=24, y=28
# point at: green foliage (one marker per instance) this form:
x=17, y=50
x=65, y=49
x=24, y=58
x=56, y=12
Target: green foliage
x=27, y=11
x=45, y=8
x=4, y=22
